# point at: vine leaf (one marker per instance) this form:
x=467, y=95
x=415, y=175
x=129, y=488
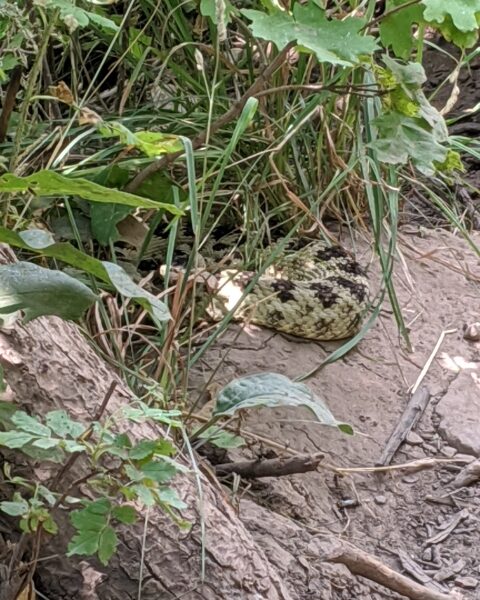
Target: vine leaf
x=332, y=41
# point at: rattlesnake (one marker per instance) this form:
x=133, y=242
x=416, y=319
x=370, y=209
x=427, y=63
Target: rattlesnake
x=313, y=291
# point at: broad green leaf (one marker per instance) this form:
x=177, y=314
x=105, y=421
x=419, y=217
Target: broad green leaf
x=126, y=287
x=37, y=238
x=15, y=509
x=104, y=217
x=332, y=41
x=221, y=438
x=102, y=21
x=155, y=143
x=107, y=544
x=46, y=443
x=61, y=251
x=272, y=390
x=71, y=446
x=30, y=424
x=457, y=20
x=61, y=424
x=50, y=526
x=125, y=514
x=151, y=143
x=7, y=409
x=39, y=291
x=463, y=13
x=49, y=183
x=402, y=138
x=15, y=439
x=462, y=39
x=107, y=272
x=396, y=29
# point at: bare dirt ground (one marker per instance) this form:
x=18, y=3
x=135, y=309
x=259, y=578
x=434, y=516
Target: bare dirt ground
x=418, y=523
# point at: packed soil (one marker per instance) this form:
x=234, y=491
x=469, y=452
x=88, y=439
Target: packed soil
x=419, y=523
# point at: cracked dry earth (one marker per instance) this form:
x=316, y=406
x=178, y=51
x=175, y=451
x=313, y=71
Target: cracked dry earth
x=418, y=523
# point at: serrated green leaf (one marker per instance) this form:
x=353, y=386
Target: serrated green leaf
x=151, y=447
x=93, y=516
x=107, y=545
x=125, y=514
x=39, y=291
x=158, y=470
x=15, y=439
x=61, y=424
x=402, y=138
x=396, y=28
x=49, y=183
x=332, y=41
x=84, y=542
x=462, y=12
x=170, y=497
x=143, y=449
x=144, y=494
x=271, y=390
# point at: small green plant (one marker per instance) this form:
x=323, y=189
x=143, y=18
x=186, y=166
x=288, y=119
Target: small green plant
x=120, y=475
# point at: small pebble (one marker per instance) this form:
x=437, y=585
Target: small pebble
x=467, y=583
x=414, y=439
x=380, y=499
x=427, y=555
x=472, y=332
x=429, y=449
x=409, y=479
x=448, y=451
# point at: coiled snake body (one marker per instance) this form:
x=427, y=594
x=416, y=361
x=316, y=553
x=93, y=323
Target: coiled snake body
x=313, y=291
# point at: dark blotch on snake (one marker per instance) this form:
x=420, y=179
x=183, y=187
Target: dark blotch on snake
x=332, y=252
x=283, y=289
x=324, y=293
x=357, y=290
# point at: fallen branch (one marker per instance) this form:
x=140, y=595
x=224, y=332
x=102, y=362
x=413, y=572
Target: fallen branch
x=275, y=467
x=415, y=408
x=468, y=475
x=361, y=563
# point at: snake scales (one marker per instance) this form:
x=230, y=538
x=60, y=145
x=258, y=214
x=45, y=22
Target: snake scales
x=313, y=291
